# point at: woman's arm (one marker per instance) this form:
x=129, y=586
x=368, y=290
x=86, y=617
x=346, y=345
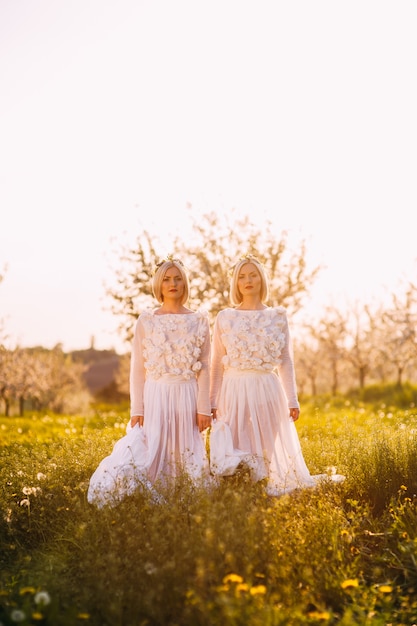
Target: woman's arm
x=217, y=368
x=203, y=380
x=287, y=372
x=137, y=376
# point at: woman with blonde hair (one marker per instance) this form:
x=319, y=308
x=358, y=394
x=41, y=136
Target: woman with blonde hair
x=253, y=387
x=169, y=392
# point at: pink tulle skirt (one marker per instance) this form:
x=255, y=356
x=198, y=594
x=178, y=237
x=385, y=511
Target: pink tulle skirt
x=168, y=444
x=253, y=428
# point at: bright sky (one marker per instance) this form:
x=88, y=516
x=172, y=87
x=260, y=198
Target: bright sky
x=114, y=114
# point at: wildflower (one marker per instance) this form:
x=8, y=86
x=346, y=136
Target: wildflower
x=403, y=488
x=37, y=616
x=319, y=615
x=350, y=583
x=385, y=589
x=40, y=476
x=25, y=502
x=25, y=590
x=43, y=598
x=242, y=587
x=150, y=569
x=232, y=578
x=31, y=491
x=17, y=615
x=257, y=590
x=83, y=616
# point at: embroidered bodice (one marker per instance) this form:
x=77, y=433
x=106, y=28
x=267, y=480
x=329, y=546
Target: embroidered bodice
x=166, y=346
x=253, y=340
x=172, y=344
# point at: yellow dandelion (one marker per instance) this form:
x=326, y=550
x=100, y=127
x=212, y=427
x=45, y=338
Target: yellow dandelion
x=403, y=488
x=26, y=590
x=319, y=615
x=257, y=590
x=83, y=615
x=385, y=589
x=232, y=578
x=37, y=615
x=242, y=587
x=350, y=583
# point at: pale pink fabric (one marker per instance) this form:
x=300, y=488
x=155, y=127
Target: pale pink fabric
x=169, y=385
x=253, y=386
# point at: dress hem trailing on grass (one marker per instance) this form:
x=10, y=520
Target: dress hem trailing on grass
x=121, y=474
x=284, y=474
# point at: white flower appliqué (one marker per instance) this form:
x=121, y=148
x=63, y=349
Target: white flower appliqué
x=253, y=339
x=173, y=343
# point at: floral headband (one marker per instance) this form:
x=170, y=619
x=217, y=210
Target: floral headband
x=168, y=259
x=249, y=258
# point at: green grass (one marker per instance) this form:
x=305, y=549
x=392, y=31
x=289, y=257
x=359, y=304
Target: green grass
x=340, y=554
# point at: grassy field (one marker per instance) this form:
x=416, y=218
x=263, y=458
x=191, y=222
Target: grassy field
x=339, y=554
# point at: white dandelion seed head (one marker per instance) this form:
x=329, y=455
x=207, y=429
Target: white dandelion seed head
x=43, y=598
x=17, y=615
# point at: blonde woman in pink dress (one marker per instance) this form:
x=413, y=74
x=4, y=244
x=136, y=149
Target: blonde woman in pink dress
x=169, y=389
x=253, y=388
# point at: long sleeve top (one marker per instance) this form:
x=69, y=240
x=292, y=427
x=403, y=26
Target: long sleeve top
x=253, y=340
x=169, y=346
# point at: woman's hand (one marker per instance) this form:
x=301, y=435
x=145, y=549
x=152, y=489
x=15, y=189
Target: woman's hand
x=294, y=414
x=203, y=421
x=136, y=419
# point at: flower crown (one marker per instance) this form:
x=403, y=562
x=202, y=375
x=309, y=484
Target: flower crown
x=168, y=259
x=249, y=258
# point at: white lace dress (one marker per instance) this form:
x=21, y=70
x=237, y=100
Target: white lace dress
x=169, y=383
x=253, y=386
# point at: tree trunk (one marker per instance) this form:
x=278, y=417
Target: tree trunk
x=362, y=375
x=313, y=386
x=400, y=377
x=335, y=381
